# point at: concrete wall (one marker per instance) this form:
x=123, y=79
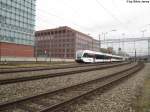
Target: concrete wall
x=33, y=59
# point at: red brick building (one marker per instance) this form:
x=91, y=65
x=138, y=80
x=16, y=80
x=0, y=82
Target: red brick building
x=17, y=50
x=63, y=42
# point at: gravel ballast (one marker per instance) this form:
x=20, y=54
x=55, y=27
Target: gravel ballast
x=42, y=72
x=14, y=91
x=119, y=99
x=36, y=73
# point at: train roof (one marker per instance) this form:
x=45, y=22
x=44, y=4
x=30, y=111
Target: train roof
x=95, y=52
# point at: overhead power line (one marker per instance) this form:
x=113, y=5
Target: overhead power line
x=61, y=18
x=108, y=12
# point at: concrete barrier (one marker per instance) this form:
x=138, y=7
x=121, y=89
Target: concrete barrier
x=5, y=59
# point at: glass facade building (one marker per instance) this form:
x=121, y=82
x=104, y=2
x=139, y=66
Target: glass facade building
x=17, y=21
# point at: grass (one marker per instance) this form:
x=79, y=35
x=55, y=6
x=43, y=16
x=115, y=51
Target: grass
x=143, y=104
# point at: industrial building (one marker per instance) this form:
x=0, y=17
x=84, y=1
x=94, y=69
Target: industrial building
x=63, y=42
x=17, y=22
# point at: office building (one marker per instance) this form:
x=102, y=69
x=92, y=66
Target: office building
x=17, y=22
x=63, y=42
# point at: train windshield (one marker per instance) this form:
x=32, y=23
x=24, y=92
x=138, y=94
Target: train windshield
x=79, y=54
x=88, y=55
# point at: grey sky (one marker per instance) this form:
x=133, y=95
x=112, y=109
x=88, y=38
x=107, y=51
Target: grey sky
x=95, y=16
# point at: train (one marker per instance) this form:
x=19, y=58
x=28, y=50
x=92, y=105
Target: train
x=88, y=56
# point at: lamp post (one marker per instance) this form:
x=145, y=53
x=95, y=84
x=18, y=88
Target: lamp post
x=0, y=42
x=135, y=55
x=99, y=42
x=134, y=52
x=0, y=38
x=36, y=43
x=123, y=35
x=148, y=47
x=50, y=49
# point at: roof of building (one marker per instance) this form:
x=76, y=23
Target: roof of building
x=66, y=28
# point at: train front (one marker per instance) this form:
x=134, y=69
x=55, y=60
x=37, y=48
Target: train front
x=79, y=55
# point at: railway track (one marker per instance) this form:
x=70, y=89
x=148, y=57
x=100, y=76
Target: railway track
x=56, y=100
x=40, y=66
x=29, y=69
x=51, y=75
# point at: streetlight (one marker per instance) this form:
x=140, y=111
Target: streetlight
x=149, y=47
x=50, y=48
x=0, y=42
x=99, y=42
x=123, y=35
x=36, y=43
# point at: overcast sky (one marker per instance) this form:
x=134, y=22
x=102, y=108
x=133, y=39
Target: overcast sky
x=95, y=16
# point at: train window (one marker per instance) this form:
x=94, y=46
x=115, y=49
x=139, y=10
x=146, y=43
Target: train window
x=88, y=55
x=85, y=55
x=105, y=57
x=79, y=55
x=99, y=56
x=117, y=58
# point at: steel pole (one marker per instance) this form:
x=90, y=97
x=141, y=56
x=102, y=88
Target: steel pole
x=99, y=43
x=0, y=42
x=0, y=52
x=149, y=49
x=36, y=41
x=135, y=55
x=50, y=51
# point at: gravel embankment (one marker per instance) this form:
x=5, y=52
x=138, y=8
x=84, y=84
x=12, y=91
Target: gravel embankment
x=18, y=90
x=36, y=73
x=118, y=99
x=13, y=68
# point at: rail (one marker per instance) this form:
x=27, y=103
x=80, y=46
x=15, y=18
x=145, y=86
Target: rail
x=56, y=100
x=51, y=75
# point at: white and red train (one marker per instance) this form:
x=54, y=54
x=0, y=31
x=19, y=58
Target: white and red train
x=87, y=56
